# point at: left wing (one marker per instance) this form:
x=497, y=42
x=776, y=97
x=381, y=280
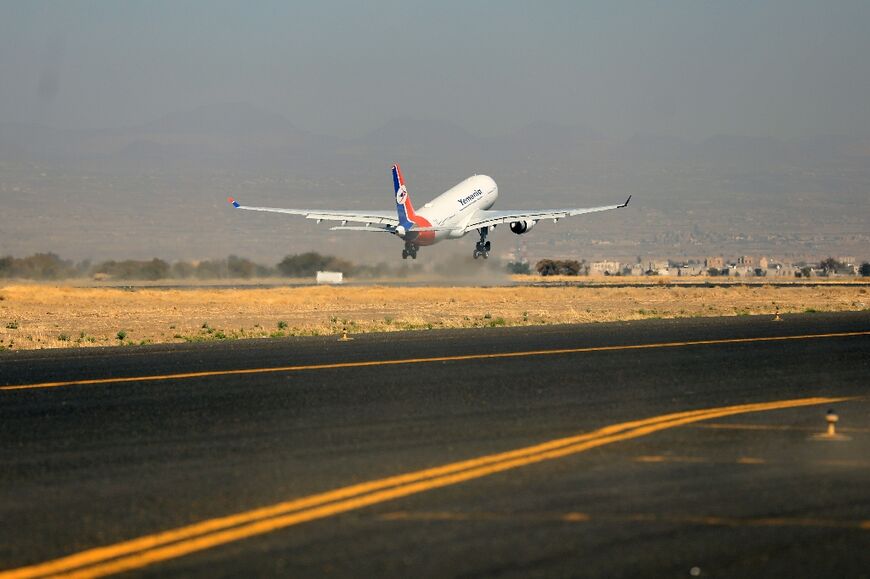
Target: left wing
x=355, y=216
x=491, y=218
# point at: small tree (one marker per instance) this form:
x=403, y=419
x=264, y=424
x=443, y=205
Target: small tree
x=569, y=267
x=240, y=267
x=830, y=264
x=183, y=269
x=211, y=269
x=6, y=265
x=546, y=267
x=864, y=270
x=133, y=269
x=519, y=267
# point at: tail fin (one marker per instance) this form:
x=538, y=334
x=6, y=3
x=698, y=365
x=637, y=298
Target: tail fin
x=403, y=200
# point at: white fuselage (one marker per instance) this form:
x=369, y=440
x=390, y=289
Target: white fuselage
x=455, y=207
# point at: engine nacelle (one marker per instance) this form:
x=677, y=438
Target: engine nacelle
x=520, y=227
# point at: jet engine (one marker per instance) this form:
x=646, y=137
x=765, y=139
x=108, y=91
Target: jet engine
x=520, y=227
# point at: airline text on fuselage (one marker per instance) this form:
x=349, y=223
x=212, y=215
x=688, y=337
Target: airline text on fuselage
x=466, y=200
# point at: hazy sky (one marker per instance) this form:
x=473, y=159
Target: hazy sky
x=691, y=69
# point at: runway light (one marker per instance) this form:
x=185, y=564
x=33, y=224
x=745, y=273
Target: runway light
x=832, y=419
x=831, y=433
x=344, y=337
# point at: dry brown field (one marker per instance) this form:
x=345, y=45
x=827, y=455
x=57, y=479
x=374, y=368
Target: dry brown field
x=49, y=316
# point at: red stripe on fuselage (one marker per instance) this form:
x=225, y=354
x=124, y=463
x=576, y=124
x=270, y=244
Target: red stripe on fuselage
x=422, y=237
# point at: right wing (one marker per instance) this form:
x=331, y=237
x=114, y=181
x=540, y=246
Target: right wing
x=491, y=218
x=389, y=219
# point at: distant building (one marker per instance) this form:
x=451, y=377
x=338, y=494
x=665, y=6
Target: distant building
x=693, y=269
x=741, y=270
x=845, y=270
x=717, y=262
x=604, y=268
x=763, y=263
x=657, y=267
x=777, y=270
x=746, y=261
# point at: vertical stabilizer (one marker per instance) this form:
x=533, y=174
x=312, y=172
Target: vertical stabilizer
x=407, y=217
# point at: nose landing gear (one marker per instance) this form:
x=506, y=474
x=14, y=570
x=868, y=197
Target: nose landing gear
x=481, y=249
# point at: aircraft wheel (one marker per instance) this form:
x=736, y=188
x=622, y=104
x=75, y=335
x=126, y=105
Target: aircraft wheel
x=487, y=246
x=476, y=254
x=485, y=255
x=404, y=254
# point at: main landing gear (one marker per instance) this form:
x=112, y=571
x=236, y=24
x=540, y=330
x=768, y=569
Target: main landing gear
x=483, y=246
x=410, y=250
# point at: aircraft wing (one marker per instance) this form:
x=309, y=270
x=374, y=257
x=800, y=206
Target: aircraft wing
x=491, y=218
x=353, y=215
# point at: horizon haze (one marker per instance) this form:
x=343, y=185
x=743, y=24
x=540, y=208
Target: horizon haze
x=737, y=127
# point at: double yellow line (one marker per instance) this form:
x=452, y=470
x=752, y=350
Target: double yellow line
x=151, y=549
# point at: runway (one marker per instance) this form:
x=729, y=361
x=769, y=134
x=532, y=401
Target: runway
x=652, y=448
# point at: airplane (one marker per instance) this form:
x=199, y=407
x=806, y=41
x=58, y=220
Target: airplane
x=461, y=209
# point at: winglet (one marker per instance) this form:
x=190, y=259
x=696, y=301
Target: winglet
x=625, y=204
x=234, y=202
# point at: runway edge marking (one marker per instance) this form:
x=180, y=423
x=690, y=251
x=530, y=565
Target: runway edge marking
x=150, y=549
x=459, y=358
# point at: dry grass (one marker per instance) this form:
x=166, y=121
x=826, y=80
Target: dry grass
x=40, y=316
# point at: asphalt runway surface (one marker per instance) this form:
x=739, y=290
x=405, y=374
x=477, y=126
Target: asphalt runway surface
x=662, y=448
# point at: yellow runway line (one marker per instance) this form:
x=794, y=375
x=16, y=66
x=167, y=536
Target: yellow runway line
x=342, y=493
x=653, y=518
x=460, y=358
x=151, y=549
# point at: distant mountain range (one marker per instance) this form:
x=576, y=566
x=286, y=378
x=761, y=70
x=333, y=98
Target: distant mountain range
x=159, y=189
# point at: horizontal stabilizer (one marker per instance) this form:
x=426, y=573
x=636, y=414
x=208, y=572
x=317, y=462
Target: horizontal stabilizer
x=362, y=228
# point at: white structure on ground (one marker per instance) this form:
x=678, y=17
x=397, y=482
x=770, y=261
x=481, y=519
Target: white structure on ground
x=330, y=277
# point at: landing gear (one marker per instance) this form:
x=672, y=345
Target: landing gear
x=410, y=250
x=483, y=246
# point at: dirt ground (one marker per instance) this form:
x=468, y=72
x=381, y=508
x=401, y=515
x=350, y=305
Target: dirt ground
x=44, y=316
